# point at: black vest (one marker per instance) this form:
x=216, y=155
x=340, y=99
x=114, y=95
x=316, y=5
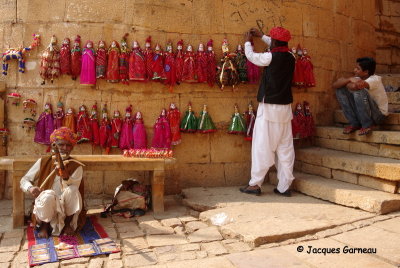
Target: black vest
x=276, y=82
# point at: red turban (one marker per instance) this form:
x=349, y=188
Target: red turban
x=280, y=34
x=63, y=133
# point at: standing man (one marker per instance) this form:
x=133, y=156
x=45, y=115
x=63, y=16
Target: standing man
x=58, y=206
x=272, y=135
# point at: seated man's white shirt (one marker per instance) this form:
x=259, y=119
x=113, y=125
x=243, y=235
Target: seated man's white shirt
x=378, y=93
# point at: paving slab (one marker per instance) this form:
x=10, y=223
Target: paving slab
x=269, y=218
x=208, y=234
x=166, y=240
x=391, y=225
x=214, y=262
x=141, y=259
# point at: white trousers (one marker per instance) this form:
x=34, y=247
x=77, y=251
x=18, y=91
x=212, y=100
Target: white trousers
x=272, y=144
x=53, y=209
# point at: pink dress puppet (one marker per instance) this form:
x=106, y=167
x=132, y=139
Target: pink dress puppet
x=174, y=119
x=139, y=133
x=148, y=56
x=201, y=64
x=83, y=126
x=101, y=60
x=250, y=117
x=44, y=126
x=116, y=127
x=112, y=74
x=126, y=140
x=94, y=125
x=309, y=124
x=211, y=64
x=170, y=67
x=308, y=68
x=69, y=120
x=65, y=57
x=105, y=130
x=253, y=72
x=298, y=122
x=59, y=116
x=298, y=75
x=179, y=61
x=76, y=58
x=50, y=62
x=162, y=132
x=137, y=64
x=124, y=61
x=189, y=66
x=88, y=70
x=157, y=65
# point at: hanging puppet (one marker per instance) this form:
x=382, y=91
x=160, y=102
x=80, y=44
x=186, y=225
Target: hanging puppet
x=44, y=126
x=298, y=123
x=157, y=65
x=88, y=70
x=250, y=117
x=101, y=60
x=137, y=64
x=237, y=125
x=30, y=104
x=65, y=57
x=113, y=63
x=76, y=58
x=116, y=127
x=59, y=115
x=253, y=71
x=105, y=130
x=189, y=66
x=70, y=120
x=298, y=75
x=179, y=61
x=201, y=64
x=50, y=62
x=211, y=64
x=15, y=97
x=308, y=68
x=124, y=61
x=162, y=132
x=241, y=63
x=139, y=133
x=174, y=119
x=189, y=121
x=227, y=74
x=148, y=56
x=309, y=125
x=205, y=123
x=170, y=67
x=83, y=126
x=94, y=125
x=126, y=140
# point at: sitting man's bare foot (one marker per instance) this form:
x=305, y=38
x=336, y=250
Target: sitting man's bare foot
x=68, y=230
x=44, y=230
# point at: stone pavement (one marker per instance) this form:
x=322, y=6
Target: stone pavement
x=265, y=231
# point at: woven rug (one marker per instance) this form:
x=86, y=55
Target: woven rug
x=90, y=241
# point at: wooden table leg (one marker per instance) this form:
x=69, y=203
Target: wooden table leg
x=157, y=190
x=18, y=201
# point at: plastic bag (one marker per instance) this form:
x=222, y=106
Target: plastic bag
x=221, y=219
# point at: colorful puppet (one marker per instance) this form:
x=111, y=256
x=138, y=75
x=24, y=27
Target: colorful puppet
x=148, y=56
x=237, y=125
x=162, y=132
x=105, y=130
x=15, y=97
x=76, y=58
x=298, y=123
x=253, y=72
x=211, y=64
x=205, y=123
x=137, y=64
x=157, y=65
x=30, y=104
x=250, y=117
x=241, y=64
x=65, y=57
x=179, y=61
x=298, y=75
x=126, y=140
x=201, y=64
x=101, y=60
x=174, y=119
x=94, y=125
x=88, y=70
x=83, y=126
x=50, y=62
x=308, y=69
x=309, y=125
x=139, y=133
x=44, y=126
x=189, y=66
x=189, y=121
x=116, y=127
x=227, y=74
x=113, y=63
x=70, y=120
x=124, y=61
x=59, y=116
x=170, y=67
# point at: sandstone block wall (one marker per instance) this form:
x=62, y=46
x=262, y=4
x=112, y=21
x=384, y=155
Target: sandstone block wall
x=334, y=32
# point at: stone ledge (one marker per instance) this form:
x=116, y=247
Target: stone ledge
x=392, y=119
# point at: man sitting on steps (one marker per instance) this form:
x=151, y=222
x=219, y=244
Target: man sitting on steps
x=362, y=97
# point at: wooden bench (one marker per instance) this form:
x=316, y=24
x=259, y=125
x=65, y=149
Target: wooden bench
x=19, y=165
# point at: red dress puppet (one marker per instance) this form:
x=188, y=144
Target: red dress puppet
x=101, y=60
x=113, y=63
x=189, y=66
x=83, y=126
x=139, y=133
x=250, y=117
x=50, y=62
x=126, y=140
x=157, y=65
x=137, y=64
x=65, y=57
x=309, y=124
x=253, y=72
x=59, y=115
x=124, y=62
x=179, y=61
x=298, y=75
x=201, y=64
x=76, y=58
x=69, y=120
x=94, y=125
x=105, y=130
x=162, y=132
x=148, y=56
x=308, y=69
x=174, y=119
x=211, y=64
x=298, y=123
x=116, y=127
x=169, y=67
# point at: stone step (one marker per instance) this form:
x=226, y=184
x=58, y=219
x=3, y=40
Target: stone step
x=378, y=167
x=392, y=122
x=393, y=97
x=392, y=80
x=343, y=193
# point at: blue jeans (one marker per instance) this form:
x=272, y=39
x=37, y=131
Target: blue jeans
x=359, y=108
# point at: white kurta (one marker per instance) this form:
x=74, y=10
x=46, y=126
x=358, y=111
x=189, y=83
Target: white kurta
x=272, y=135
x=62, y=200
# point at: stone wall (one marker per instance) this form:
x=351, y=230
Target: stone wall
x=327, y=28
x=388, y=36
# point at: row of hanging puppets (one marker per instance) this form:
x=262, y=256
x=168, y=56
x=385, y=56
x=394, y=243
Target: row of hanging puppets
x=120, y=64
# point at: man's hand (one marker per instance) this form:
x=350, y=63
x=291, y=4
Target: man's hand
x=35, y=191
x=248, y=37
x=256, y=32
x=64, y=174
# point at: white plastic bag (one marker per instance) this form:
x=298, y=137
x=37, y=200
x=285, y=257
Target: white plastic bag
x=220, y=219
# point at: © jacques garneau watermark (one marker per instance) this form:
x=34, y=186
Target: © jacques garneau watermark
x=344, y=250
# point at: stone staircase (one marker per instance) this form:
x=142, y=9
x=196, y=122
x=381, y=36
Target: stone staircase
x=355, y=171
